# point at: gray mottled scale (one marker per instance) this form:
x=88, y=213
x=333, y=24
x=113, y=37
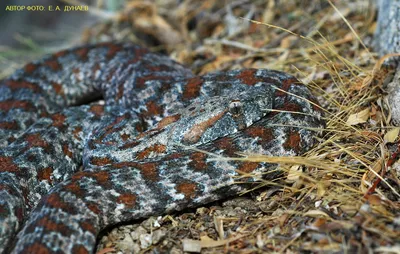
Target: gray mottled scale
x=157, y=143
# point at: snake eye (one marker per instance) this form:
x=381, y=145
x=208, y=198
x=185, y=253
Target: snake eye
x=235, y=107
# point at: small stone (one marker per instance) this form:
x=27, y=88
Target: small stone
x=158, y=235
x=365, y=208
x=157, y=222
x=136, y=248
x=126, y=244
x=202, y=210
x=145, y=241
x=176, y=250
x=278, y=212
x=260, y=242
x=138, y=232
x=191, y=245
x=149, y=223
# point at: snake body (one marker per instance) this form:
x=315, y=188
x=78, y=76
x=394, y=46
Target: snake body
x=108, y=133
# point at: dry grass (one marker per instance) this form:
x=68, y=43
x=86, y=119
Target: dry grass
x=343, y=195
x=346, y=189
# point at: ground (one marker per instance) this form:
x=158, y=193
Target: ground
x=342, y=196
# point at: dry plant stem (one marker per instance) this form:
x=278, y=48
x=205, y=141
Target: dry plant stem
x=389, y=163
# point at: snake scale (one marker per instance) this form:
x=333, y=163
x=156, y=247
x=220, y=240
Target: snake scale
x=108, y=133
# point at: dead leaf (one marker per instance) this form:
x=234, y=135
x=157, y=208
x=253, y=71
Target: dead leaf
x=191, y=245
x=282, y=219
x=219, y=226
x=205, y=242
x=321, y=189
x=319, y=222
x=391, y=136
x=360, y=117
x=369, y=176
x=373, y=136
x=316, y=213
x=374, y=200
x=294, y=173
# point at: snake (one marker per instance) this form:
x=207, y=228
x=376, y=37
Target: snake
x=107, y=133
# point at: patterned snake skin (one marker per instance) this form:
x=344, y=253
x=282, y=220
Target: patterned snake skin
x=71, y=164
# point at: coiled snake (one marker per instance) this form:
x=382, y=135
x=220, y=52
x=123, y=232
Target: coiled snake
x=70, y=165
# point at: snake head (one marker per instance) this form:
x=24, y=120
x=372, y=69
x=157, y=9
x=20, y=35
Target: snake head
x=215, y=117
